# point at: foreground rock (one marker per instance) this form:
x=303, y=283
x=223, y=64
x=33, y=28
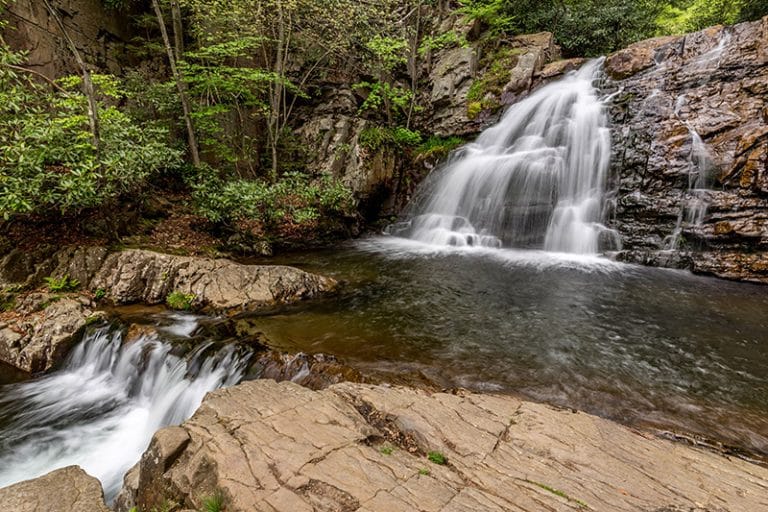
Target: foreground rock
x=691, y=112
x=44, y=330
x=281, y=447
x=68, y=489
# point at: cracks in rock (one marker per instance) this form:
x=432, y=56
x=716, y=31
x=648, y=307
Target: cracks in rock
x=385, y=424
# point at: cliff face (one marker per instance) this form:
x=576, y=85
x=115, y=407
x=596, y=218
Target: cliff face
x=690, y=150
x=100, y=34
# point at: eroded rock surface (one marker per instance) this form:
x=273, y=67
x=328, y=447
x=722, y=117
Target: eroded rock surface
x=43, y=331
x=691, y=112
x=68, y=489
x=354, y=447
x=217, y=284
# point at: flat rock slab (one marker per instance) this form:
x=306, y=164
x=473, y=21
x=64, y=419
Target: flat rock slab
x=68, y=489
x=266, y=446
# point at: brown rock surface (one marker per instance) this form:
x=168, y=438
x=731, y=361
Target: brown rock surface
x=354, y=447
x=714, y=84
x=68, y=489
x=144, y=276
x=48, y=326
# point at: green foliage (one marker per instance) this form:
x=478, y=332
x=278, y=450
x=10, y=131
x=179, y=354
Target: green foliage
x=683, y=16
x=214, y=503
x=438, y=147
x=180, y=301
x=437, y=458
x=48, y=162
x=294, y=199
x=377, y=137
x=424, y=472
x=385, y=95
x=386, y=450
x=61, y=284
x=444, y=40
x=596, y=27
x=100, y=294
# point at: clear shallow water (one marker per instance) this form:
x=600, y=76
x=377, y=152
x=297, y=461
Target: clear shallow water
x=641, y=345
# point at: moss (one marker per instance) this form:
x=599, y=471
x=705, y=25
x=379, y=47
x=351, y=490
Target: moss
x=558, y=492
x=486, y=89
x=438, y=147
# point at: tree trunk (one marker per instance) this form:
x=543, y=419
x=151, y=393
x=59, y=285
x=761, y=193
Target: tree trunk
x=179, y=79
x=178, y=30
x=90, y=93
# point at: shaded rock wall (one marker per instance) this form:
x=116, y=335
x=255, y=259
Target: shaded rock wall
x=99, y=33
x=713, y=84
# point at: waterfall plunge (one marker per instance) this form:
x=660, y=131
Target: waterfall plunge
x=101, y=410
x=535, y=179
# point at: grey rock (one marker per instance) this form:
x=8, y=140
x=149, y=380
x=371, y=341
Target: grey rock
x=68, y=489
x=40, y=338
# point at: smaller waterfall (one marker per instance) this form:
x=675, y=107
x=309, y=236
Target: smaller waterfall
x=534, y=180
x=102, y=409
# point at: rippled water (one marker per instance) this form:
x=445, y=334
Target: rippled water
x=642, y=345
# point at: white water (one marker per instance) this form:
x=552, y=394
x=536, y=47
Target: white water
x=101, y=410
x=534, y=180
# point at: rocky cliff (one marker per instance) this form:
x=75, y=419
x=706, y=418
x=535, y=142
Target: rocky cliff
x=99, y=33
x=689, y=120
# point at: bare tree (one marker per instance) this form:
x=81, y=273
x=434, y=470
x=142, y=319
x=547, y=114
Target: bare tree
x=93, y=113
x=179, y=79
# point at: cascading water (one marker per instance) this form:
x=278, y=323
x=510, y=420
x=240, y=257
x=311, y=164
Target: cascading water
x=534, y=180
x=101, y=410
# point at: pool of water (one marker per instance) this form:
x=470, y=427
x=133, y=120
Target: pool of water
x=644, y=346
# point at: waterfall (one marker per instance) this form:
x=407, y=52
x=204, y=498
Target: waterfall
x=534, y=180
x=101, y=410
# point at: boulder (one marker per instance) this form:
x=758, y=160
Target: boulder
x=46, y=326
x=217, y=284
x=68, y=489
x=268, y=446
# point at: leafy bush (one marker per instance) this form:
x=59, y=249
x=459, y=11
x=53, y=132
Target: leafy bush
x=48, y=162
x=438, y=147
x=180, y=301
x=377, y=137
x=294, y=199
x=61, y=284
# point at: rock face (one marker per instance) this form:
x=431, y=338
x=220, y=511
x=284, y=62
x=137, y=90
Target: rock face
x=691, y=113
x=68, y=489
x=47, y=328
x=354, y=447
x=136, y=275
x=218, y=285
x=99, y=34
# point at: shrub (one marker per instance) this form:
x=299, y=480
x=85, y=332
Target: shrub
x=61, y=284
x=294, y=199
x=437, y=458
x=180, y=301
x=48, y=162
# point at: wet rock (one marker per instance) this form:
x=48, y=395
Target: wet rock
x=216, y=284
x=68, y=489
x=268, y=446
x=316, y=371
x=667, y=92
x=45, y=328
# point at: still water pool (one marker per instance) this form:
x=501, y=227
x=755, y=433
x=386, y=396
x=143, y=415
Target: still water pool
x=645, y=346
